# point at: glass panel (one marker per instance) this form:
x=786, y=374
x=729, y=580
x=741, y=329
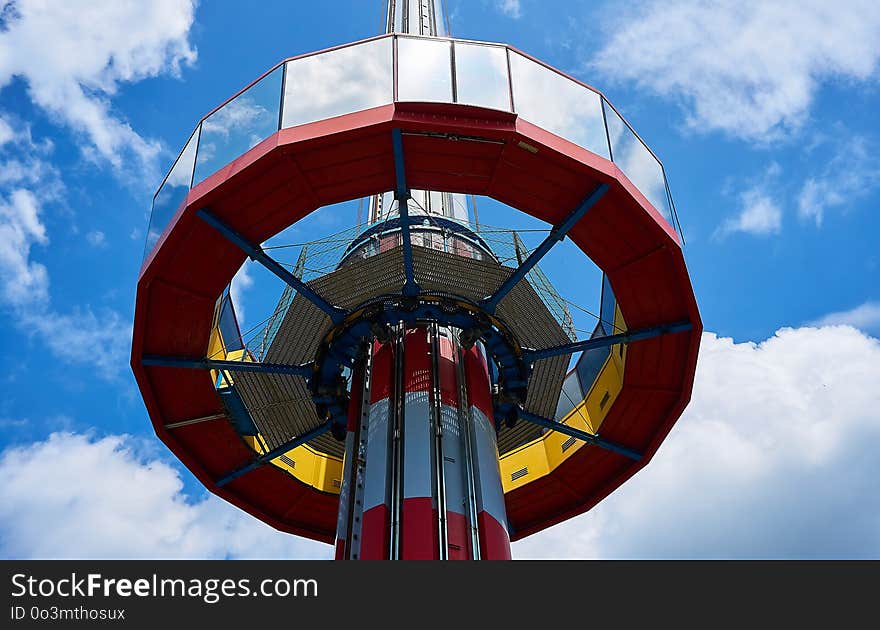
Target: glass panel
x=229, y=327
x=398, y=16
x=591, y=362
x=481, y=76
x=172, y=192
x=338, y=82
x=424, y=70
x=436, y=203
x=637, y=162
x=239, y=125
x=558, y=104
x=412, y=17
x=608, y=306
x=569, y=397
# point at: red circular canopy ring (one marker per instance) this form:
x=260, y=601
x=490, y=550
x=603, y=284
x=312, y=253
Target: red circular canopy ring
x=298, y=170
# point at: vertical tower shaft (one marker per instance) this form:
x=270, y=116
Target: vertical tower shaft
x=424, y=18
x=421, y=472
x=421, y=475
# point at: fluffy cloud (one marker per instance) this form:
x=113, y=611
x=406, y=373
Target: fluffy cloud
x=21, y=280
x=849, y=176
x=864, y=316
x=74, y=496
x=510, y=8
x=28, y=183
x=100, y=340
x=746, y=67
x=774, y=457
x=759, y=214
x=73, y=56
x=241, y=282
x=96, y=238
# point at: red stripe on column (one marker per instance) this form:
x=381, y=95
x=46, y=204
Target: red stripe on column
x=417, y=361
x=494, y=541
x=419, y=533
x=478, y=381
x=457, y=536
x=375, y=533
x=448, y=374
x=383, y=372
x=354, y=405
x=340, y=549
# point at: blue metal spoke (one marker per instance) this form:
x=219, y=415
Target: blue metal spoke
x=336, y=314
x=402, y=194
x=235, y=366
x=556, y=235
x=530, y=356
x=589, y=438
x=276, y=452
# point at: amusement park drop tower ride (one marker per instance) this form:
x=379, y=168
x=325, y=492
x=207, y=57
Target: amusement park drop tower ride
x=421, y=350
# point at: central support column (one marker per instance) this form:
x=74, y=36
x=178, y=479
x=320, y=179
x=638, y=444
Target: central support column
x=421, y=477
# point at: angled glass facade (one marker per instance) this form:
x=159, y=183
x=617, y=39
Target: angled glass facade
x=403, y=68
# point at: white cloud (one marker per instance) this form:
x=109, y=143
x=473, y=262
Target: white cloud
x=864, y=316
x=79, y=336
x=96, y=238
x=73, y=56
x=849, y=176
x=241, y=114
x=22, y=281
x=102, y=341
x=774, y=457
x=759, y=214
x=746, y=67
x=75, y=496
x=24, y=162
x=241, y=282
x=6, y=132
x=510, y=8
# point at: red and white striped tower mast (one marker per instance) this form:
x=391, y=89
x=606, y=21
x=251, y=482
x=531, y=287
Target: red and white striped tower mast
x=421, y=476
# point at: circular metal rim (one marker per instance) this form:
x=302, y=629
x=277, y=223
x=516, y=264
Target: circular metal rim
x=183, y=293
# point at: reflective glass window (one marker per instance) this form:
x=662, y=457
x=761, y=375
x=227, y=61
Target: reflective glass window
x=413, y=16
x=338, y=82
x=249, y=118
x=424, y=70
x=481, y=76
x=398, y=15
x=570, y=396
x=558, y=104
x=591, y=362
x=609, y=304
x=229, y=327
x=637, y=162
x=172, y=192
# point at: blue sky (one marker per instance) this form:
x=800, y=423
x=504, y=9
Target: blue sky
x=765, y=115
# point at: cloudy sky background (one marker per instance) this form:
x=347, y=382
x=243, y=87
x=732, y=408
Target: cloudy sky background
x=764, y=115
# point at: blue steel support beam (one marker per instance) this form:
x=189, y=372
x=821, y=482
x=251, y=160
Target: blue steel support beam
x=556, y=235
x=236, y=366
x=336, y=314
x=589, y=438
x=277, y=452
x=401, y=193
x=530, y=356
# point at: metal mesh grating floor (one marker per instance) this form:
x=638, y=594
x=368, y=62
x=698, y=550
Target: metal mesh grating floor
x=281, y=406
